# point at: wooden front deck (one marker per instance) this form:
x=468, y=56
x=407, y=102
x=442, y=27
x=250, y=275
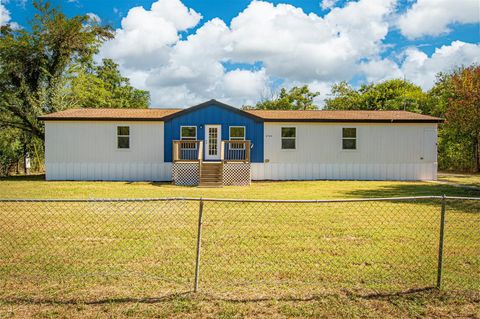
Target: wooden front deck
x=211, y=173
x=193, y=151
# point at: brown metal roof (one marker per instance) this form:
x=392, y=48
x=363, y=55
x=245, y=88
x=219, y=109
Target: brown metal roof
x=342, y=116
x=109, y=114
x=157, y=114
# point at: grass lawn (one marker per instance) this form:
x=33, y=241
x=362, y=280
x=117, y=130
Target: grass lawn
x=36, y=187
x=258, y=260
x=459, y=178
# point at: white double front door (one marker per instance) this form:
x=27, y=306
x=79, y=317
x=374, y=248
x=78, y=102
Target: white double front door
x=213, y=142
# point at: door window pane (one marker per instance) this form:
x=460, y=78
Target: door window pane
x=212, y=141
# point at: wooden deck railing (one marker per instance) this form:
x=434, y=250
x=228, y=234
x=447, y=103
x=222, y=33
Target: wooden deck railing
x=187, y=151
x=230, y=151
x=236, y=151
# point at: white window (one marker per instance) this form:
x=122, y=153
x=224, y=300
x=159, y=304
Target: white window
x=237, y=133
x=123, y=137
x=188, y=133
x=349, y=138
x=289, y=135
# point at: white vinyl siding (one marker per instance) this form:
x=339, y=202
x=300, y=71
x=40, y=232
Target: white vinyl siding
x=384, y=151
x=80, y=150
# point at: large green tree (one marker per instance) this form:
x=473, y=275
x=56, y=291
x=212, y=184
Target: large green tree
x=35, y=60
x=11, y=149
x=395, y=94
x=297, y=98
x=104, y=86
x=463, y=112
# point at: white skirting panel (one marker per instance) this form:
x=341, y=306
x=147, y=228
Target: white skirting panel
x=109, y=171
x=315, y=171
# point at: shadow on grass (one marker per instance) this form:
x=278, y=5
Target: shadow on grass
x=397, y=294
x=460, y=178
x=402, y=189
x=24, y=178
x=164, y=184
x=432, y=189
x=40, y=301
x=189, y=295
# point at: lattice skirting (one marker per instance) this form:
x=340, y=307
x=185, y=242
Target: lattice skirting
x=185, y=174
x=236, y=174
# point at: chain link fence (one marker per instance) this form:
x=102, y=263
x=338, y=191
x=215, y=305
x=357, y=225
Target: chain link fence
x=90, y=249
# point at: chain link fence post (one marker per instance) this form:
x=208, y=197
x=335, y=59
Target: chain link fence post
x=199, y=245
x=441, y=243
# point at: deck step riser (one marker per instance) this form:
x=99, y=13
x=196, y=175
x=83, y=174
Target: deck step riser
x=211, y=175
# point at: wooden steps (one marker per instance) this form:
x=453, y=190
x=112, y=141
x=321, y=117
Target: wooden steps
x=211, y=174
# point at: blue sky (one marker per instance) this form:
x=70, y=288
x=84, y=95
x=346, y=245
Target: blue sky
x=326, y=42
x=111, y=13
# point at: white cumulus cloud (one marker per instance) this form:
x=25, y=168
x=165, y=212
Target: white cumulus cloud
x=433, y=17
x=94, y=17
x=380, y=70
x=245, y=83
x=288, y=43
x=4, y=15
x=264, y=46
x=145, y=35
x=328, y=4
x=422, y=69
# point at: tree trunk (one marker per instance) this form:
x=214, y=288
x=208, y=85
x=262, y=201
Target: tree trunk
x=477, y=153
x=25, y=157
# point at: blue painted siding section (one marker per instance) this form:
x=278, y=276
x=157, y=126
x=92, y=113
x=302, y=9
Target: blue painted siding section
x=214, y=114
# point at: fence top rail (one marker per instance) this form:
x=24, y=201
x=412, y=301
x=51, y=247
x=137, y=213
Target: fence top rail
x=462, y=198
x=237, y=200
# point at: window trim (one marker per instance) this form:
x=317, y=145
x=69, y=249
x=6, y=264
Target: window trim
x=237, y=138
x=189, y=138
x=350, y=138
x=288, y=138
x=196, y=132
x=119, y=135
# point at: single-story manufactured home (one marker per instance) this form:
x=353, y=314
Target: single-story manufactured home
x=216, y=144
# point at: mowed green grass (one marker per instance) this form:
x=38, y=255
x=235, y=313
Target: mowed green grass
x=258, y=260
x=36, y=187
x=459, y=178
